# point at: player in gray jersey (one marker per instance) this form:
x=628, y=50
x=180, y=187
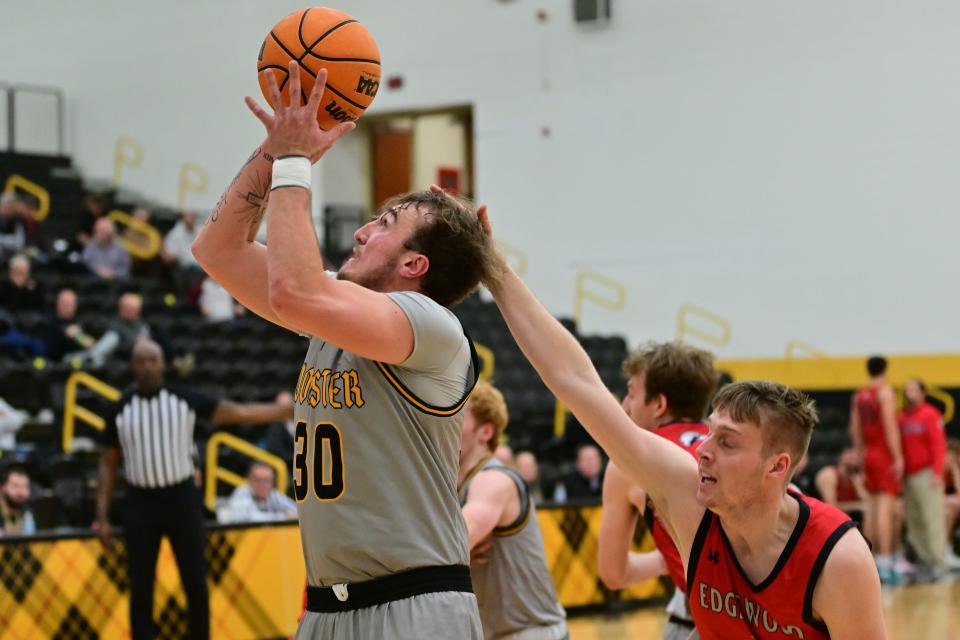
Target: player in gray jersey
x=514, y=589
x=379, y=395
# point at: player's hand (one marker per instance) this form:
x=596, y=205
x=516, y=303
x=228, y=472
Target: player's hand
x=483, y=215
x=293, y=130
x=897, y=468
x=480, y=554
x=104, y=532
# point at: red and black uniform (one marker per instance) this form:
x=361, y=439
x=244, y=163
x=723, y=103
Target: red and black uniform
x=724, y=602
x=924, y=441
x=877, y=457
x=688, y=435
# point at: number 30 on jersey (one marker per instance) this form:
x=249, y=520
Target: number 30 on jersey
x=326, y=462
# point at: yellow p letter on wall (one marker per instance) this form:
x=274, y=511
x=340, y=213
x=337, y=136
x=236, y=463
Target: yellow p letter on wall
x=193, y=179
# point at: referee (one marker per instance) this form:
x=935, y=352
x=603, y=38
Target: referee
x=153, y=424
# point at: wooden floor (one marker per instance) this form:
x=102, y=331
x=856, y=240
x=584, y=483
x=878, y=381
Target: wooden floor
x=922, y=612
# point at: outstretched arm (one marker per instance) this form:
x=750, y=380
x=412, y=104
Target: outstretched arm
x=667, y=472
x=228, y=412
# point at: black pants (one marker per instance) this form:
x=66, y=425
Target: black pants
x=173, y=512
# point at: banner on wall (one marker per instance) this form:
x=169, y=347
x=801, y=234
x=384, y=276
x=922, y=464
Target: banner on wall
x=70, y=586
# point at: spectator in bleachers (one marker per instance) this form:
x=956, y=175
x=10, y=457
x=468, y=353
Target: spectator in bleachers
x=12, y=234
x=258, y=500
x=122, y=334
x=586, y=481
x=177, y=252
x=19, y=291
x=504, y=453
x=216, y=304
x=10, y=422
x=94, y=208
x=63, y=332
x=15, y=516
x=951, y=500
x=529, y=470
x=104, y=255
x=842, y=484
x=33, y=237
x=924, y=450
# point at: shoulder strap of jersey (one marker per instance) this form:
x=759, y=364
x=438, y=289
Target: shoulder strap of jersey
x=817, y=569
x=525, y=503
x=426, y=407
x=697, y=547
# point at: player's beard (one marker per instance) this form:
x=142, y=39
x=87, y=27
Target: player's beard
x=376, y=280
x=16, y=505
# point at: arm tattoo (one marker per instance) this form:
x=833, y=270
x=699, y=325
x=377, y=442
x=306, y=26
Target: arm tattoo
x=256, y=194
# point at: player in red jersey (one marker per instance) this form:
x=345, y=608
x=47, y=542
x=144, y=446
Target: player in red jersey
x=738, y=495
x=668, y=388
x=873, y=427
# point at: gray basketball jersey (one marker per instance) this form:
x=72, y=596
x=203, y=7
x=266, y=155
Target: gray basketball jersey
x=376, y=452
x=515, y=591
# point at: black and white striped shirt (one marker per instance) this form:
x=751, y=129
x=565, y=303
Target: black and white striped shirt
x=156, y=434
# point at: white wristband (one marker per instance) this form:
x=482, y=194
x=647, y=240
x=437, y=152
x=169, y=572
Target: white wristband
x=291, y=171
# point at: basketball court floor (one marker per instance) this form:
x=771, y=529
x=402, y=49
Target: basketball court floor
x=918, y=612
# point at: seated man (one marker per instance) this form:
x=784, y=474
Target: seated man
x=258, y=500
x=104, y=255
x=122, y=334
x=586, y=481
x=20, y=292
x=63, y=332
x=15, y=517
x=843, y=486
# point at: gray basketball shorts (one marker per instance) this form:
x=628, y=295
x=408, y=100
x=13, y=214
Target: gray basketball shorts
x=446, y=615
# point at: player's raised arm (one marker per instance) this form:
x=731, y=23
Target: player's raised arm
x=224, y=248
x=351, y=315
x=667, y=472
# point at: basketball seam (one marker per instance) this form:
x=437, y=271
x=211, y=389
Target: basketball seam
x=334, y=90
x=307, y=69
x=287, y=77
x=309, y=48
x=319, y=57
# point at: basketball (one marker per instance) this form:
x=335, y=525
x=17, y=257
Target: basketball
x=318, y=38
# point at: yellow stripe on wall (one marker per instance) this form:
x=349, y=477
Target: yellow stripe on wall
x=840, y=373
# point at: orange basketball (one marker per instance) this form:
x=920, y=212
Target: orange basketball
x=321, y=38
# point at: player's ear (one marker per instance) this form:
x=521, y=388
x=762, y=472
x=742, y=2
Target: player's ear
x=781, y=464
x=662, y=406
x=489, y=432
x=414, y=265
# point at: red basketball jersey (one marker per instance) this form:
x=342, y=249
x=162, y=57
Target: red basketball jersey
x=871, y=423
x=687, y=435
x=725, y=604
